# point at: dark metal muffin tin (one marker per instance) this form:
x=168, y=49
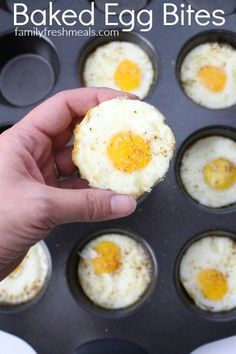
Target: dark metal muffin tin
x=167, y=219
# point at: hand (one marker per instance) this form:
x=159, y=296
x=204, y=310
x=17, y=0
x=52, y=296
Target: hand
x=33, y=200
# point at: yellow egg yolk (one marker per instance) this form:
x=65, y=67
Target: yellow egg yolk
x=220, y=174
x=128, y=152
x=212, y=78
x=213, y=284
x=108, y=259
x=128, y=76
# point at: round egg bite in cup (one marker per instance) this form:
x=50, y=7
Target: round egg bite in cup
x=112, y=273
x=206, y=169
x=208, y=75
x=122, y=66
x=123, y=145
x=28, y=282
x=205, y=275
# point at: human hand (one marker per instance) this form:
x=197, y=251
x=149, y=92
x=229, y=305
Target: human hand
x=33, y=200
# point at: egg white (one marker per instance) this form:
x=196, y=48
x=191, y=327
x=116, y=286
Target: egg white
x=101, y=65
x=213, y=252
x=125, y=286
x=27, y=282
x=194, y=160
x=94, y=133
x=222, y=56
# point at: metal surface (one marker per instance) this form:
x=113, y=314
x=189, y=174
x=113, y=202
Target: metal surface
x=167, y=219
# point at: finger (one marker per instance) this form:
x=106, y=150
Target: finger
x=54, y=115
x=63, y=159
x=62, y=139
x=87, y=205
x=49, y=172
x=73, y=183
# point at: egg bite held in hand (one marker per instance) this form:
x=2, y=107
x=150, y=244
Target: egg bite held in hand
x=123, y=145
x=121, y=66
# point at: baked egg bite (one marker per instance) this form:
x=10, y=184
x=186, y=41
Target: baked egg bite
x=208, y=272
x=208, y=75
x=115, y=271
x=208, y=171
x=123, y=145
x=122, y=66
x=28, y=279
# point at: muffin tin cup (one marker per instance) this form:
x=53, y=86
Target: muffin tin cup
x=131, y=37
x=12, y=309
x=29, y=69
x=228, y=6
x=218, y=130
x=78, y=293
x=114, y=346
x=223, y=316
x=220, y=36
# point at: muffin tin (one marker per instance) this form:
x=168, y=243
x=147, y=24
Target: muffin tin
x=29, y=69
x=168, y=219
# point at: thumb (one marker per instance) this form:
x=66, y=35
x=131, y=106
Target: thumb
x=87, y=205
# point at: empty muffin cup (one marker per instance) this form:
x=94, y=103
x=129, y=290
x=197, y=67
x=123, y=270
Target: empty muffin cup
x=122, y=5
x=204, y=282
x=26, y=285
x=107, y=346
x=126, y=62
x=228, y=6
x=111, y=256
x=206, y=169
x=206, y=69
x=29, y=69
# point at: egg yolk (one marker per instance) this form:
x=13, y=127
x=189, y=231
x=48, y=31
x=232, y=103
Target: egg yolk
x=213, y=284
x=220, y=174
x=128, y=75
x=212, y=78
x=128, y=152
x=109, y=258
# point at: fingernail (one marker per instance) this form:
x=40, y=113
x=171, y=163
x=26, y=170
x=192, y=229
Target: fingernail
x=122, y=205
